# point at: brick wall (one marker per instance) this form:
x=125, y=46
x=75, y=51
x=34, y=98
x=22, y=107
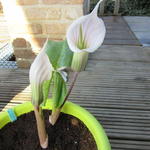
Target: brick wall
x=30, y=22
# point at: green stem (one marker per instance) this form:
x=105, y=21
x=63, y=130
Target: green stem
x=79, y=61
x=75, y=75
x=54, y=116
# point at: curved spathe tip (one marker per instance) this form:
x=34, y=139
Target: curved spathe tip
x=95, y=10
x=92, y=34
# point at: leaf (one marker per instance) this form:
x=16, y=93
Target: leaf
x=60, y=57
x=59, y=54
x=59, y=90
x=45, y=90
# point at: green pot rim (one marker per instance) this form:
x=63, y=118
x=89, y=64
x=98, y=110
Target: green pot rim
x=69, y=108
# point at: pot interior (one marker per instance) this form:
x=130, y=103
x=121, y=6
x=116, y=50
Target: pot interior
x=69, y=133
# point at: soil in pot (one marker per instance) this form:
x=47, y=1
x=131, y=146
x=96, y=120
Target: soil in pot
x=69, y=133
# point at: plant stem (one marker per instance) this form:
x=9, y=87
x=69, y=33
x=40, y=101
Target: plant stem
x=43, y=137
x=75, y=75
x=79, y=61
x=55, y=114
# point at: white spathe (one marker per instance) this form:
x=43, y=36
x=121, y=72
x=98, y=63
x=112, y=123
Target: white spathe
x=93, y=30
x=40, y=71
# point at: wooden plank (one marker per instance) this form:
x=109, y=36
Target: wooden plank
x=125, y=68
x=122, y=53
x=118, y=144
x=121, y=42
x=136, y=83
x=110, y=84
x=110, y=36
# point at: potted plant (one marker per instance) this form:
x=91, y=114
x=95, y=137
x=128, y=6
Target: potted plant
x=49, y=72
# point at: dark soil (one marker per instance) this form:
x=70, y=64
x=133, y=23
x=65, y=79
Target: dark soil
x=68, y=134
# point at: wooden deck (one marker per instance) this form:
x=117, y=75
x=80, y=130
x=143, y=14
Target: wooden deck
x=115, y=88
x=118, y=32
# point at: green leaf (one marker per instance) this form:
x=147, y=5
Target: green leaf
x=40, y=92
x=60, y=57
x=45, y=89
x=59, y=90
x=59, y=54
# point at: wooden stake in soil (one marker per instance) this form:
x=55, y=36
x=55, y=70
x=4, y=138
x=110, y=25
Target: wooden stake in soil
x=43, y=137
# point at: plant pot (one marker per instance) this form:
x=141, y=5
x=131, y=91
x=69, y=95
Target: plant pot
x=69, y=108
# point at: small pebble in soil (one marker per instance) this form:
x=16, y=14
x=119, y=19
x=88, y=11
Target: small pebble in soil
x=74, y=122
